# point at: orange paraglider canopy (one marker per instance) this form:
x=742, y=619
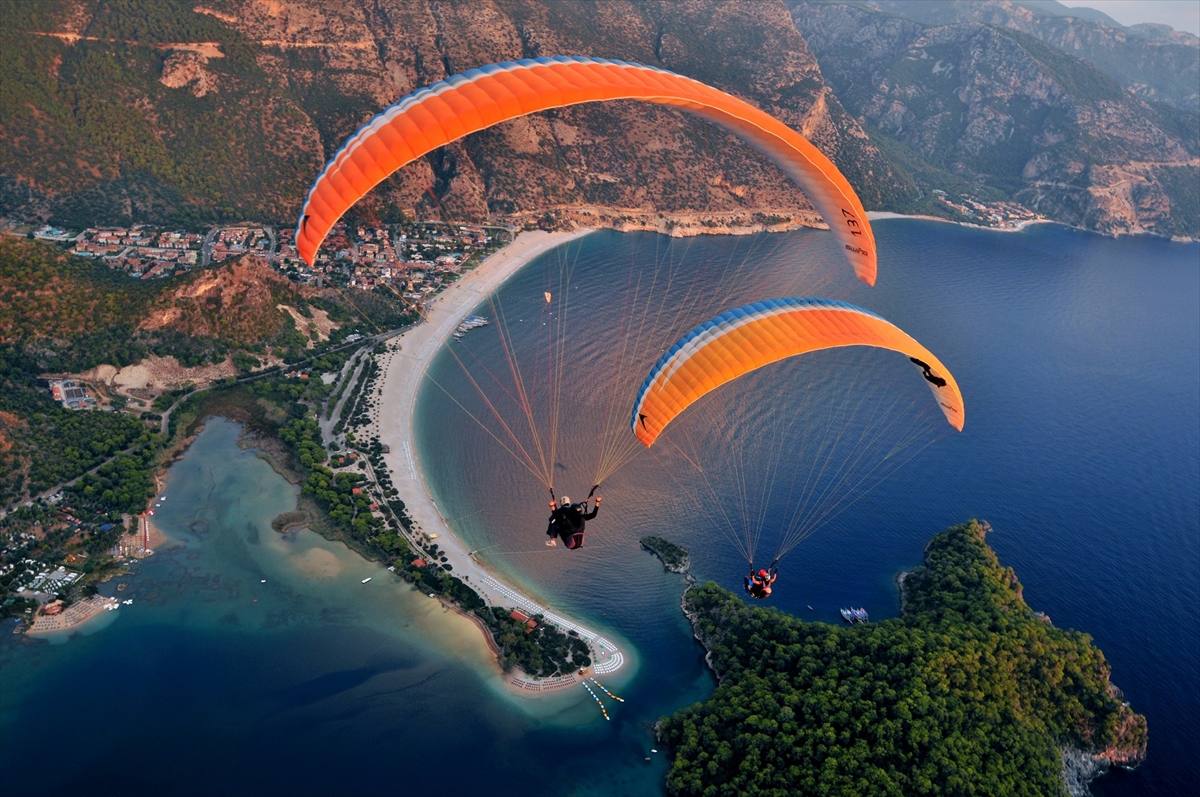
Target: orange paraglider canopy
x=457, y=106
x=747, y=338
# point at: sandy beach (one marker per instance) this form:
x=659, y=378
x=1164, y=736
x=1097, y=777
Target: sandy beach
x=73, y=616
x=400, y=383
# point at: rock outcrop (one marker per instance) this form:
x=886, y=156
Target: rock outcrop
x=186, y=68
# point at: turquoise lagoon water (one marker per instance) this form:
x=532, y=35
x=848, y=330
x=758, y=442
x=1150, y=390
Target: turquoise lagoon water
x=1079, y=357
x=214, y=682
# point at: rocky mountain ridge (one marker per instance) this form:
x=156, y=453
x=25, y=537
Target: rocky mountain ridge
x=194, y=112
x=1154, y=62
x=1010, y=114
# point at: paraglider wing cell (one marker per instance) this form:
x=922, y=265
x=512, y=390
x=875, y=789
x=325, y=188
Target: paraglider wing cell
x=747, y=338
x=462, y=104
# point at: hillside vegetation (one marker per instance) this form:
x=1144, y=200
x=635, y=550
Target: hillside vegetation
x=69, y=314
x=109, y=123
x=62, y=314
x=968, y=692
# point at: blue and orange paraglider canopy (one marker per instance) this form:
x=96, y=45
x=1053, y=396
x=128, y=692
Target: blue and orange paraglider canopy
x=476, y=100
x=747, y=338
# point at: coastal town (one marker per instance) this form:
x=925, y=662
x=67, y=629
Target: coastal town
x=413, y=259
x=998, y=214
x=406, y=263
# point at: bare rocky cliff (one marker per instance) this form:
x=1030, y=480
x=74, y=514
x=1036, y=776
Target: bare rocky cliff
x=1011, y=114
x=624, y=157
x=1154, y=62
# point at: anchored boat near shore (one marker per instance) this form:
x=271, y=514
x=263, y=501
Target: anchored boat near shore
x=469, y=323
x=855, y=615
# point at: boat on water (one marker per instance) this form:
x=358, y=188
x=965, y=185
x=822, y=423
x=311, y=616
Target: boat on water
x=469, y=323
x=368, y=578
x=855, y=615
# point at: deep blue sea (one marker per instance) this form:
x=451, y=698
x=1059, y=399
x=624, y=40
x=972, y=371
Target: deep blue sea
x=1079, y=360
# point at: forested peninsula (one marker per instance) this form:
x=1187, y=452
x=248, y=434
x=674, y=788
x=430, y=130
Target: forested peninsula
x=968, y=692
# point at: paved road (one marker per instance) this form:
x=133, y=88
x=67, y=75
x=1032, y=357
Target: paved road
x=206, y=247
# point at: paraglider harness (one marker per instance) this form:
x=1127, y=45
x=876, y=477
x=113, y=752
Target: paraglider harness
x=759, y=587
x=568, y=522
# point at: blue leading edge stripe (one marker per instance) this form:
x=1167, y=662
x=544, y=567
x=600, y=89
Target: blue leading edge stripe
x=730, y=320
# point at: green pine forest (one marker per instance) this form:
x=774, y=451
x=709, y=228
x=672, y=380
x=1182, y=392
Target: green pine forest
x=967, y=693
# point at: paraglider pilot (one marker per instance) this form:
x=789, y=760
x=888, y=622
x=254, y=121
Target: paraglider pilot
x=759, y=584
x=567, y=520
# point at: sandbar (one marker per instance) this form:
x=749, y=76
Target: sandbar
x=400, y=383
x=317, y=563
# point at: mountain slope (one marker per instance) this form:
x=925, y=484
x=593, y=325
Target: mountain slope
x=1152, y=61
x=113, y=119
x=70, y=314
x=159, y=110
x=1014, y=115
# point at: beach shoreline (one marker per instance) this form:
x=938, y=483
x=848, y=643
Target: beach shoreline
x=400, y=382
x=885, y=215
x=73, y=617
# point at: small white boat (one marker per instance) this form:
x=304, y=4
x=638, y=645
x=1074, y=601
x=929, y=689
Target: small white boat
x=368, y=578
